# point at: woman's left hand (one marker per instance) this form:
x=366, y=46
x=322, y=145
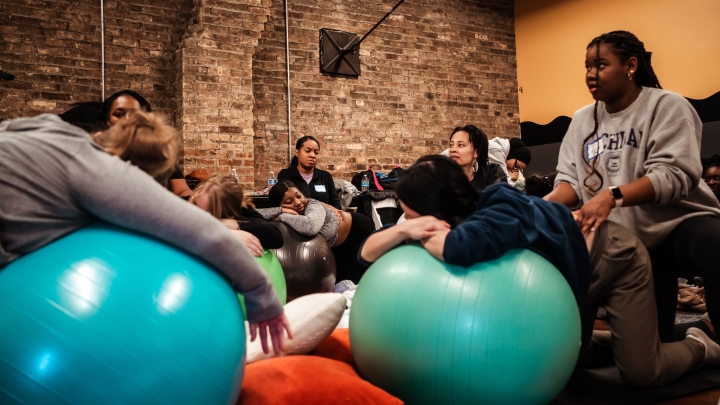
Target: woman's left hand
x=595, y=212
x=337, y=212
x=251, y=242
x=276, y=328
x=436, y=243
x=231, y=224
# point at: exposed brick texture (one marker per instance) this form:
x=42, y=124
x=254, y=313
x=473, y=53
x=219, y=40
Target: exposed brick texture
x=431, y=66
x=217, y=67
x=53, y=48
x=215, y=77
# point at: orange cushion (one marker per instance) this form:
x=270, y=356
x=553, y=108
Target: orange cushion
x=308, y=380
x=336, y=347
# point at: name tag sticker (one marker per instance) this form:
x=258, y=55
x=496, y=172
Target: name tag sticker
x=320, y=188
x=595, y=149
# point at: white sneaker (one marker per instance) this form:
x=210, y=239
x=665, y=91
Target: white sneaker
x=712, y=349
x=706, y=318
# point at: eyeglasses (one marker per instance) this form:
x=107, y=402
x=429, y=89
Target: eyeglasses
x=515, y=167
x=715, y=178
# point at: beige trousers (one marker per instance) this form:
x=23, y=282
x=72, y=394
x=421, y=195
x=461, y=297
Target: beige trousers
x=622, y=283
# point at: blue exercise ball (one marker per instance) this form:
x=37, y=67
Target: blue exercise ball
x=505, y=331
x=108, y=316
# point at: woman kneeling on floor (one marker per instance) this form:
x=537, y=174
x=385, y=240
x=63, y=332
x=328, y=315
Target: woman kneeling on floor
x=459, y=226
x=343, y=231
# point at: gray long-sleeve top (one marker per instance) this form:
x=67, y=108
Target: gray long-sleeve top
x=657, y=136
x=317, y=219
x=55, y=180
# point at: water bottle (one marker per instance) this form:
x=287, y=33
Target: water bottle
x=365, y=183
x=272, y=180
x=233, y=173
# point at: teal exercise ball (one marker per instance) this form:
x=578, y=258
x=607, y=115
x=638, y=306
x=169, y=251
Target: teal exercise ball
x=505, y=331
x=108, y=316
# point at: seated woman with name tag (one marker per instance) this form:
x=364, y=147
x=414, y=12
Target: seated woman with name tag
x=311, y=181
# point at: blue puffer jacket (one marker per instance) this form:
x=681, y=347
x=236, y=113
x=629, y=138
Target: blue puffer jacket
x=506, y=219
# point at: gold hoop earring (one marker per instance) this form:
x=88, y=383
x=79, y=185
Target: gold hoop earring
x=630, y=75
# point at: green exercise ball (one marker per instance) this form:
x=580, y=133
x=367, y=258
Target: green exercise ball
x=269, y=262
x=505, y=331
x=109, y=316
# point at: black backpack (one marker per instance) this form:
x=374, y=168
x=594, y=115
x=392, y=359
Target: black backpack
x=357, y=180
x=386, y=182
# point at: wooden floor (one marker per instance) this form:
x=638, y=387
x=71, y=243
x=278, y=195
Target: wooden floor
x=704, y=398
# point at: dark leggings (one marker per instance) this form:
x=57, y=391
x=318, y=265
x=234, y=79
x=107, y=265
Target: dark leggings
x=348, y=267
x=694, y=247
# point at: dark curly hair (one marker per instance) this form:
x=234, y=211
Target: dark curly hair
x=436, y=185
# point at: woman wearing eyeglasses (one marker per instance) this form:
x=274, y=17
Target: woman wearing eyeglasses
x=711, y=174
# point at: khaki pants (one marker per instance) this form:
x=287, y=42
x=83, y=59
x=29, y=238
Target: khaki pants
x=622, y=283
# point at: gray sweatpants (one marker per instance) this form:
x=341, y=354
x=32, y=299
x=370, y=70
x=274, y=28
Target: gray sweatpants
x=622, y=283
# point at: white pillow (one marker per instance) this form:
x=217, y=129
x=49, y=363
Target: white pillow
x=345, y=320
x=312, y=319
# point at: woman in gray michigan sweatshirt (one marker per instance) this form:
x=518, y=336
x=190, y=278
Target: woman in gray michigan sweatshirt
x=633, y=157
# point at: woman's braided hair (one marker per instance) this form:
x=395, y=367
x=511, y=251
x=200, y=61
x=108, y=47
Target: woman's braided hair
x=625, y=45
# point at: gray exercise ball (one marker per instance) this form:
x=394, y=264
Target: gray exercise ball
x=307, y=261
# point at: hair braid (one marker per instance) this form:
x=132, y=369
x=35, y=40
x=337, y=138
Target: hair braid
x=625, y=45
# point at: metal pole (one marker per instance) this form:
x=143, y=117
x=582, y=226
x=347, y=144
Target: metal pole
x=379, y=22
x=287, y=68
x=102, y=46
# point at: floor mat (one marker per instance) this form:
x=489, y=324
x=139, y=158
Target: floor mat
x=603, y=385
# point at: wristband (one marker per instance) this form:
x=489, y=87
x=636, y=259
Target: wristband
x=617, y=195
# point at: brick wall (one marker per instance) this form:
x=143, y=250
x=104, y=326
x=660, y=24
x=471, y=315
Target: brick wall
x=214, y=64
x=53, y=48
x=431, y=66
x=218, y=68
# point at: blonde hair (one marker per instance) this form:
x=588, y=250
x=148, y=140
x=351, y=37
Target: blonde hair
x=145, y=140
x=225, y=197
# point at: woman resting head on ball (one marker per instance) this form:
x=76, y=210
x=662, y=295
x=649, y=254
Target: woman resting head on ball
x=437, y=197
x=58, y=180
x=343, y=231
x=224, y=199
x=146, y=141
x=463, y=228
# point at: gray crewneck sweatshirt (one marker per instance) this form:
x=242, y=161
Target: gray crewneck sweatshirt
x=55, y=180
x=657, y=136
x=316, y=220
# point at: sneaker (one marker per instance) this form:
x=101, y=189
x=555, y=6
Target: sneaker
x=706, y=318
x=712, y=349
x=343, y=286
